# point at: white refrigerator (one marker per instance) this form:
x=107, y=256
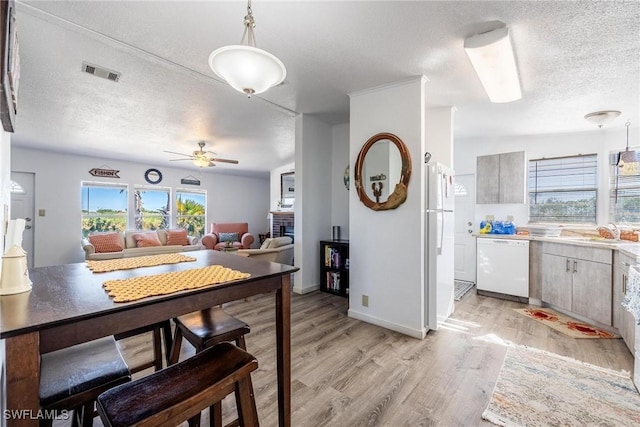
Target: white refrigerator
x=439, y=241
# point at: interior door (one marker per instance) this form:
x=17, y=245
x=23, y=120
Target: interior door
x=464, y=242
x=22, y=206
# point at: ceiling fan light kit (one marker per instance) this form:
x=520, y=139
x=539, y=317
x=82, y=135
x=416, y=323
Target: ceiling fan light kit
x=600, y=118
x=245, y=67
x=491, y=55
x=201, y=158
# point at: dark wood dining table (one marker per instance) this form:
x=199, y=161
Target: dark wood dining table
x=68, y=306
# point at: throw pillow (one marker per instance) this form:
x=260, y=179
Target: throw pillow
x=145, y=240
x=107, y=242
x=266, y=243
x=177, y=237
x=228, y=237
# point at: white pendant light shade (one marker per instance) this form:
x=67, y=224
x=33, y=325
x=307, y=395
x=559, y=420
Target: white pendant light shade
x=247, y=69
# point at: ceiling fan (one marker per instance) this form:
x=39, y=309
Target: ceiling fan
x=202, y=158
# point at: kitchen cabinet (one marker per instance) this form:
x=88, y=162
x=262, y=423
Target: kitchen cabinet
x=501, y=178
x=578, y=279
x=622, y=318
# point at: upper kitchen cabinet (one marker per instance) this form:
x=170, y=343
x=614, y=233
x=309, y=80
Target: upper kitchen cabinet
x=501, y=178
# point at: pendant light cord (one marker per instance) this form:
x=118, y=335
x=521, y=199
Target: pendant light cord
x=249, y=25
x=627, y=125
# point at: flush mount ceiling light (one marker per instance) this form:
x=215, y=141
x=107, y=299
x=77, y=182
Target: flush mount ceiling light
x=491, y=55
x=600, y=118
x=245, y=67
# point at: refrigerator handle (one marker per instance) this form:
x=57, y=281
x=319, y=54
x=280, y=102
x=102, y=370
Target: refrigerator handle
x=441, y=232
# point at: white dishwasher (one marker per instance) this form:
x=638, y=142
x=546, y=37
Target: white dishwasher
x=503, y=266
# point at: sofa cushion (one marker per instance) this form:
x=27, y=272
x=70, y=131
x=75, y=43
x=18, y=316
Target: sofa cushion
x=107, y=242
x=228, y=237
x=148, y=239
x=279, y=241
x=266, y=243
x=177, y=237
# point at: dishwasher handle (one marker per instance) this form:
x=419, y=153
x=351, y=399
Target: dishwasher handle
x=568, y=264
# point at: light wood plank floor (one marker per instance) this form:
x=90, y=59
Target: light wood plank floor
x=347, y=373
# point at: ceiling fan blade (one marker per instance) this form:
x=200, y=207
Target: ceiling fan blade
x=179, y=154
x=178, y=160
x=235, y=162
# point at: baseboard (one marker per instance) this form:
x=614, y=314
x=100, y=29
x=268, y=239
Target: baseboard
x=498, y=295
x=309, y=289
x=415, y=333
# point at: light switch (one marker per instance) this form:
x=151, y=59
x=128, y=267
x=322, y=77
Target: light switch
x=41, y=212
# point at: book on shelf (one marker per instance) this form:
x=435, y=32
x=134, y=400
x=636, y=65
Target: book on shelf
x=331, y=257
x=333, y=281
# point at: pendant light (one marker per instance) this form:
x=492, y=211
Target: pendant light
x=245, y=67
x=628, y=159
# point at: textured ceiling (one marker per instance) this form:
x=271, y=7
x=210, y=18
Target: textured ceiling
x=574, y=58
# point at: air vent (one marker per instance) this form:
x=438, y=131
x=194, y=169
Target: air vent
x=100, y=72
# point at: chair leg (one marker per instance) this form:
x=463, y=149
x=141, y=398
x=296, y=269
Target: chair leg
x=157, y=349
x=87, y=414
x=176, y=347
x=245, y=401
x=194, y=421
x=168, y=339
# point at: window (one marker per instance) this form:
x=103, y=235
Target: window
x=624, y=197
x=104, y=207
x=191, y=211
x=152, y=208
x=563, y=189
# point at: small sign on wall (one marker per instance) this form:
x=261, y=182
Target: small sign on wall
x=104, y=172
x=190, y=180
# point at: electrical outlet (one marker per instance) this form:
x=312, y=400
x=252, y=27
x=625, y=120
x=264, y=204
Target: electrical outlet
x=365, y=300
x=490, y=217
x=41, y=212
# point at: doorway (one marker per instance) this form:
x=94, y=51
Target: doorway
x=22, y=206
x=465, y=242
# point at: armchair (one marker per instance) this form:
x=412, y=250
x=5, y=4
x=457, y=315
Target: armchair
x=237, y=232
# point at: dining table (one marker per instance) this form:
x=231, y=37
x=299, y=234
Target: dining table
x=69, y=305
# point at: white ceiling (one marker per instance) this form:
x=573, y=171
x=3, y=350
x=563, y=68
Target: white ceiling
x=574, y=58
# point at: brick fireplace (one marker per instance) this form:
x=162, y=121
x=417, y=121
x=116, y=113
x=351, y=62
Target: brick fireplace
x=282, y=224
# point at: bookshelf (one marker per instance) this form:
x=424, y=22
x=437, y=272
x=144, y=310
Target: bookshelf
x=334, y=267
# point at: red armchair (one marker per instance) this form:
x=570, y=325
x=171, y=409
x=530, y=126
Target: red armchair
x=237, y=232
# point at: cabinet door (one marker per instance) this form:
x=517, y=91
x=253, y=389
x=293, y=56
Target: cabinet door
x=488, y=179
x=592, y=292
x=619, y=278
x=512, y=178
x=556, y=281
x=629, y=329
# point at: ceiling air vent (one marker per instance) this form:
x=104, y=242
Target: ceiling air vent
x=100, y=72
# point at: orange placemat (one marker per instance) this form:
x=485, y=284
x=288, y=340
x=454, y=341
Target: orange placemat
x=135, y=262
x=125, y=290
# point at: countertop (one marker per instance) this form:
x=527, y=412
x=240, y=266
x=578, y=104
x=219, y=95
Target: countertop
x=624, y=246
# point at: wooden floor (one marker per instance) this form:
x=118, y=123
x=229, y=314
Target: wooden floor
x=348, y=373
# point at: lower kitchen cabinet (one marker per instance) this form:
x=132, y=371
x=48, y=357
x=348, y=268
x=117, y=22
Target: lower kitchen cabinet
x=578, y=279
x=622, y=318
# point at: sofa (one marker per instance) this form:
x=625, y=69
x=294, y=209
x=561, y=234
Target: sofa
x=278, y=249
x=118, y=244
x=237, y=233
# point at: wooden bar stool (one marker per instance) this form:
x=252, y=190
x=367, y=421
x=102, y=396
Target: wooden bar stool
x=205, y=329
x=183, y=390
x=158, y=329
x=72, y=378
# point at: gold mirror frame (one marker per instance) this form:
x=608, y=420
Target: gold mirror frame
x=399, y=194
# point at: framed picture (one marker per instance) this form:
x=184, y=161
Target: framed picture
x=9, y=65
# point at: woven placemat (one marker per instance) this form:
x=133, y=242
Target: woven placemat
x=126, y=290
x=135, y=262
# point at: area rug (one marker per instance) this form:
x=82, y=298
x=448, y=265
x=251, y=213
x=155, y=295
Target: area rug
x=461, y=288
x=538, y=388
x=565, y=324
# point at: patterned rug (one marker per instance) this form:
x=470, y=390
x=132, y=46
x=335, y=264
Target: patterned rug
x=461, y=288
x=565, y=324
x=537, y=388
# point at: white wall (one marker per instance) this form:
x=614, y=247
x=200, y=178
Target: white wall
x=57, y=187
x=313, y=200
x=598, y=141
x=386, y=246
x=339, y=193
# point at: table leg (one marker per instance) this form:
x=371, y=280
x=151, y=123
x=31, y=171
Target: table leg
x=22, y=364
x=283, y=338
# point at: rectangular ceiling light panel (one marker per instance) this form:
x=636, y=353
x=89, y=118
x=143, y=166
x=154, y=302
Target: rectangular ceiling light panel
x=492, y=57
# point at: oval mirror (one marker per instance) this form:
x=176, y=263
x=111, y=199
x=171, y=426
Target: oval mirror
x=382, y=172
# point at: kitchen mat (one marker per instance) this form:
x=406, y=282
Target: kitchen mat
x=565, y=324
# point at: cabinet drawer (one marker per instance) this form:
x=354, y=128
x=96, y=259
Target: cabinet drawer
x=601, y=255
